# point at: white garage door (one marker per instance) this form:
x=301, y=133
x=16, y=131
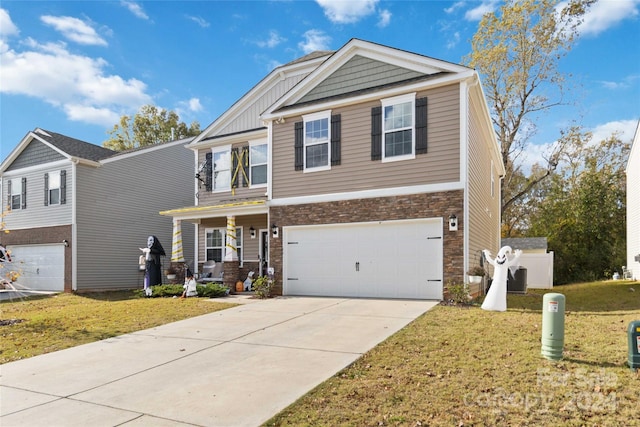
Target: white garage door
x=41, y=266
x=390, y=259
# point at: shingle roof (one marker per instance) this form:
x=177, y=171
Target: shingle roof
x=313, y=55
x=75, y=147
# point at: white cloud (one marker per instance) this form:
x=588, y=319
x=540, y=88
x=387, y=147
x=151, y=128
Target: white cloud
x=77, y=84
x=385, y=18
x=624, y=129
x=7, y=27
x=454, y=40
x=605, y=14
x=454, y=7
x=314, y=40
x=347, y=12
x=135, y=8
x=476, y=14
x=194, y=104
x=198, y=20
x=74, y=29
x=274, y=40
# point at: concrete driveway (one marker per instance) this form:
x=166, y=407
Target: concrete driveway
x=236, y=367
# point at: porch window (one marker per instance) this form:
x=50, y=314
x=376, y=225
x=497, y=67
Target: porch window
x=216, y=243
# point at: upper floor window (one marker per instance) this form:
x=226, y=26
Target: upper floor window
x=258, y=162
x=16, y=189
x=221, y=168
x=52, y=188
x=316, y=141
x=398, y=127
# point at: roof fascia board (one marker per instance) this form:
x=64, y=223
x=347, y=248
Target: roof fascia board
x=228, y=139
x=370, y=50
x=634, y=147
x=415, y=87
x=36, y=168
x=149, y=149
x=274, y=77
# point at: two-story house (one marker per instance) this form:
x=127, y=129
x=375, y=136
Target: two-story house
x=78, y=214
x=367, y=172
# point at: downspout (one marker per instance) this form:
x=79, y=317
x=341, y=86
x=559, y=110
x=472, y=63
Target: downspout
x=464, y=154
x=74, y=226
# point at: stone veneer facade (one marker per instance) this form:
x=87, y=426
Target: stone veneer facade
x=415, y=206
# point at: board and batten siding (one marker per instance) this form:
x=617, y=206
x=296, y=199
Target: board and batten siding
x=36, y=214
x=357, y=171
x=249, y=118
x=118, y=208
x=484, y=209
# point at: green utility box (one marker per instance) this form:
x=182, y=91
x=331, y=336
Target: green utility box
x=553, y=326
x=634, y=344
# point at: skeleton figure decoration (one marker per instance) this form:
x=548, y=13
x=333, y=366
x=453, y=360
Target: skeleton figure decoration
x=152, y=272
x=496, y=299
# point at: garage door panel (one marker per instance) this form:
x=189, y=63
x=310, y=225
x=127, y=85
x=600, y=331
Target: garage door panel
x=41, y=266
x=393, y=259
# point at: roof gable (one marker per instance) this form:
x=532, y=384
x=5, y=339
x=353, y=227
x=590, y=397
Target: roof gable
x=360, y=65
x=41, y=146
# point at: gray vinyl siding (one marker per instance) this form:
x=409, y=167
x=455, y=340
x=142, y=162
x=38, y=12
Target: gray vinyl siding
x=357, y=171
x=36, y=153
x=484, y=209
x=118, y=208
x=249, y=118
x=36, y=214
x=359, y=73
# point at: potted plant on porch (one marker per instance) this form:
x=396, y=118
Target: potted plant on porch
x=171, y=272
x=476, y=274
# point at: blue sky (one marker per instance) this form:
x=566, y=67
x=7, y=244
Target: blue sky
x=75, y=67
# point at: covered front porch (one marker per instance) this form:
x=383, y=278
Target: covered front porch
x=235, y=234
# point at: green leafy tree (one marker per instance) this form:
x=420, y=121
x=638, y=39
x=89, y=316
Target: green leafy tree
x=517, y=51
x=582, y=211
x=148, y=126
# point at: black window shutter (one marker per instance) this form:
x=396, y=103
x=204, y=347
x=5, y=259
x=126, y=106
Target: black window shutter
x=245, y=166
x=376, y=133
x=46, y=189
x=9, y=199
x=208, y=172
x=335, y=139
x=299, y=146
x=421, y=125
x=234, y=168
x=63, y=187
x=24, y=193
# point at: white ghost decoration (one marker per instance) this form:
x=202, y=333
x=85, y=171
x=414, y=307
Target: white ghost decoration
x=496, y=299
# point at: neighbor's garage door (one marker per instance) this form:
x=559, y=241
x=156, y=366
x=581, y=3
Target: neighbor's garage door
x=41, y=266
x=390, y=259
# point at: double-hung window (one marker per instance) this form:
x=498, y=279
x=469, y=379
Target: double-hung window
x=258, y=155
x=53, y=188
x=398, y=128
x=221, y=168
x=216, y=242
x=317, y=137
x=15, y=187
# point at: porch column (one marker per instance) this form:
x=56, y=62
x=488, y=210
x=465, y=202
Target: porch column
x=231, y=263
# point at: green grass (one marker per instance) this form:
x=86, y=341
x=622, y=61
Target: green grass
x=47, y=324
x=463, y=366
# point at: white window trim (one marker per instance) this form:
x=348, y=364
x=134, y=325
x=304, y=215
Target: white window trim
x=13, y=193
x=401, y=99
x=310, y=118
x=59, y=188
x=252, y=144
x=223, y=230
x=214, y=150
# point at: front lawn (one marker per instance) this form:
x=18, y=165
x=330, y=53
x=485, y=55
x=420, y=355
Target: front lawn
x=34, y=326
x=463, y=366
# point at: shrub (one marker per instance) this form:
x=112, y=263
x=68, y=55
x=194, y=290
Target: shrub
x=212, y=290
x=263, y=286
x=458, y=293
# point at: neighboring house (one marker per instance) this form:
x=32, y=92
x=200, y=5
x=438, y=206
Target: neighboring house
x=342, y=172
x=633, y=209
x=535, y=258
x=78, y=213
